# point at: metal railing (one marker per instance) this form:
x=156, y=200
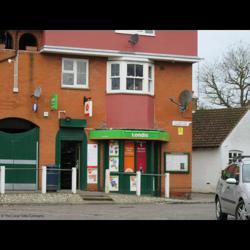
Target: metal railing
x=138, y=174
x=44, y=177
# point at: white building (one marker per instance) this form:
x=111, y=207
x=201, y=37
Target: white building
x=218, y=136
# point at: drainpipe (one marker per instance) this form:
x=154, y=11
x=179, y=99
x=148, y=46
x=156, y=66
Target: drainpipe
x=15, y=87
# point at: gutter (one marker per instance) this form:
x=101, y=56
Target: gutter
x=110, y=53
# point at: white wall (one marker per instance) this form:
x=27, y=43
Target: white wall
x=238, y=139
x=206, y=169
x=208, y=163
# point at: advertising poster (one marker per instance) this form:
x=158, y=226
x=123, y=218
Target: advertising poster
x=132, y=183
x=114, y=183
x=113, y=148
x=141, y=157
x=129, y=157
x=92, y=155
x=113, y=163
x=92, y=175
x=92, y=163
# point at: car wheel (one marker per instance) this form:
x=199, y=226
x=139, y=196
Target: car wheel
x=219, y=214
x=241, y=212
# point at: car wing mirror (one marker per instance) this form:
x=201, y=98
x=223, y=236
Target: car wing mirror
x=231, y=181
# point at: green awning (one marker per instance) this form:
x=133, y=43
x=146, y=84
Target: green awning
x=111, y=134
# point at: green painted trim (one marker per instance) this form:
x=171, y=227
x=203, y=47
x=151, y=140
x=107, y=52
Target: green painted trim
x=114, y=134
x=72, y=123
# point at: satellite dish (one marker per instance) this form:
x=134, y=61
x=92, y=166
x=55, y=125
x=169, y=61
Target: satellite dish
x=37, y=92
x=134, y=38
x=185, y=98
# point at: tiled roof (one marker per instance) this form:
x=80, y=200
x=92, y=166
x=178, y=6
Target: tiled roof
x=211, y=127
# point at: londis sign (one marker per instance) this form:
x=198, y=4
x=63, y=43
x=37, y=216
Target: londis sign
x=140, y=135
x=109, y=134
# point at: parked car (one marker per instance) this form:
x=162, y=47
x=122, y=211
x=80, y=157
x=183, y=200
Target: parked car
x=232, y=195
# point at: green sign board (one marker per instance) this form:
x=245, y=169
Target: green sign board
x=108, y=134
x=54, y=102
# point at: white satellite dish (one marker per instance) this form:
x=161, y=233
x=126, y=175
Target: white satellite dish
x=37, y=92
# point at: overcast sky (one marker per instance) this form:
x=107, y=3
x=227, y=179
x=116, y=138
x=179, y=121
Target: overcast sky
x=213, y=43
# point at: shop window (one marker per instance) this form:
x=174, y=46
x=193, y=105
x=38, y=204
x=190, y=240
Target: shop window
x=130, y=77
x=114, y=156
x=27, y=40
x=233, y=154
x=6, y=40
x=74, y=73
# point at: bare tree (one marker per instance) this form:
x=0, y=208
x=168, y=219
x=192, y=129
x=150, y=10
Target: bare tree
x=227, y=81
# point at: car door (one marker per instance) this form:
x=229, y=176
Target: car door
x=230, y=190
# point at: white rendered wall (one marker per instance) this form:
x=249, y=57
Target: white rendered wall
x=208, y=163
x=238, y=139
x=206, y=169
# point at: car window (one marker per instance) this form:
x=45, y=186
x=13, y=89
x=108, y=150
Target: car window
x=246, y=173
x=231, y=171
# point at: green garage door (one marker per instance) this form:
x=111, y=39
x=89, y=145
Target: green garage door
x=19, y=154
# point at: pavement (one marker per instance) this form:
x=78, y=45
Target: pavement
x=86, y=197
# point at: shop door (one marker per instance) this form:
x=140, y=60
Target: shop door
x=70, y=157
x=141, y=157
x=19, y=154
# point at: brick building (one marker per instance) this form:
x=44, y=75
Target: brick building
x=48, y=80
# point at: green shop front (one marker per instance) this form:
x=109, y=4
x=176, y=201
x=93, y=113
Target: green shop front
x=127, y=151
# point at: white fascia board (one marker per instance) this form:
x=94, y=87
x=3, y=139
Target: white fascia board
x=113, y=53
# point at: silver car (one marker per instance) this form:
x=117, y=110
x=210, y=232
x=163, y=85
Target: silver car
x=233, y=191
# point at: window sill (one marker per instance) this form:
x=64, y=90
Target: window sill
x=73, y=87
x=128, y=93
x=131, y=33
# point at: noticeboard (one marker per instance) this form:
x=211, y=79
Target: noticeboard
x=177, y=162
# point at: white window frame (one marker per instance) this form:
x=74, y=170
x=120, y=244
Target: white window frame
x=139, y=32
x=237, y=152
x=75, y=86
x=123, y=77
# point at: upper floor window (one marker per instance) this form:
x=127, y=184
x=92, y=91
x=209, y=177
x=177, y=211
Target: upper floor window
x=27, y=40
x=6, y=39
x=74, y=73
x=139, y=32
x=130, y=77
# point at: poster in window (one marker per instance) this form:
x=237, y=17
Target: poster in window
x=113, y=163
x=92, y=155
x=92, y=175
x=114, y=148
x=176, y=162
x=132, y=183
x=129, y=157
x=114, y=183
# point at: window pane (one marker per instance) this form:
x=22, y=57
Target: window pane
x=81, y=79
x=115, y=70
x=115, y=83
x=149, y=31
x=68, y=78
x=131, y=70
x=130, y=83
x=149, y=86
x=68, y=64
x=81, y=67
x=139, y=70
x=138, y=84
x=150, y=72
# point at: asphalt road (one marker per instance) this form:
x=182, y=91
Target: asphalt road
x=157, y=211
